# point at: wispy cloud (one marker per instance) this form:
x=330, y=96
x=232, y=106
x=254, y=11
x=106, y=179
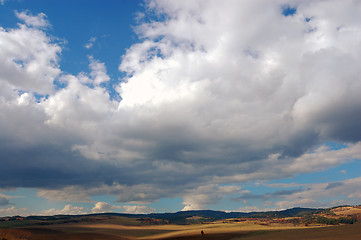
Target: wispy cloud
x=31, y=20
x=90, y=43
x=324, y=194
x=202, y=196
x=266, y=196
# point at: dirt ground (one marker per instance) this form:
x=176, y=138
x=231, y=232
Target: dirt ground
x=345, y=232
x=212, y=236
x=50, y=234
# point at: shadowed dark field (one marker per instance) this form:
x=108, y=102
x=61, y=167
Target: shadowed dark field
x=47, y=234
x=212, y=236
x=345, y=232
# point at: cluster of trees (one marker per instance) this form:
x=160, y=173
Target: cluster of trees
x=153, y=220
x=336, y=221
x=323, y=220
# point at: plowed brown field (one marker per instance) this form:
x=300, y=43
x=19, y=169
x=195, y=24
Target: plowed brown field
x=175, y=232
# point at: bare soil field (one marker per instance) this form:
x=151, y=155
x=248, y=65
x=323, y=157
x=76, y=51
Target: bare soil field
x=345, y=232
x=47, y=234
x=219, y=231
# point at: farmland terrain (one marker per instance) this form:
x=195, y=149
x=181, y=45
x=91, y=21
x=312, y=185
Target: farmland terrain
x=298, y=223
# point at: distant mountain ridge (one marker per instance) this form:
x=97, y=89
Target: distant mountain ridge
x=223, y=215
x=182, y=217
x=335, y=215
x=177, y=217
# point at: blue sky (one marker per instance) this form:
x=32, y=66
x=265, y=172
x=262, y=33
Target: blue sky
x=163, y=106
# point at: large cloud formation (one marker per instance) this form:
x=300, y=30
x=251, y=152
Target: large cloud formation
x=216, y=93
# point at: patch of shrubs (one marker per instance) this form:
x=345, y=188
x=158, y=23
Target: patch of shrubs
x=330, y=221
x=323, y=220
x=349, y=220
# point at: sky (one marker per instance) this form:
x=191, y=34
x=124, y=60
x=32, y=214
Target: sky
x=163, y=106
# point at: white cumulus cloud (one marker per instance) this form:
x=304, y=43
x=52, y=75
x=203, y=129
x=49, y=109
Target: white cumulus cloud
x=222, y=92
x=67, y=210
x=13, y=211
x=102, y=207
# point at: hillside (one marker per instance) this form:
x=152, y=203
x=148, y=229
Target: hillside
x=189, y=217
x=330, y=223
